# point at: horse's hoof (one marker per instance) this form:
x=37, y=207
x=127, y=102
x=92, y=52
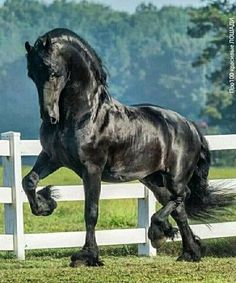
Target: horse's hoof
x=156, y=244
x=45, y=202
x=86, y=258
x=156, y=236
x=189, y=257
x=77, y=263
x=94, y=263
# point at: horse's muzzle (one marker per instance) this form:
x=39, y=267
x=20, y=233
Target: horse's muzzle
x=53, y=113
x=53, y=120
x=54, y=117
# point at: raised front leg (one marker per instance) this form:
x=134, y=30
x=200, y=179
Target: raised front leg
x=89, y=255
x=41, y=202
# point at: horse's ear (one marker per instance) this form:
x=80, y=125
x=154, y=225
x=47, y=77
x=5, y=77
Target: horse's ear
x=28, y=47
x=47, y=43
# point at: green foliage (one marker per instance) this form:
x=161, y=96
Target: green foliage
x=148, y=55
x=213, y=20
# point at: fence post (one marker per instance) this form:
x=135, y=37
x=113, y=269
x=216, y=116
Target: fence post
x=146, y=208
x=13, y=213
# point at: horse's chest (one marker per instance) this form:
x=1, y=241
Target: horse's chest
x=60, y=147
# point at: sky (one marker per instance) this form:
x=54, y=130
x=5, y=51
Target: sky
x=130, y=5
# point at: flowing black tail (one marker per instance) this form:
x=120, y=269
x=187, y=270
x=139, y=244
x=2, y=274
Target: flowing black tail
x=204, y=200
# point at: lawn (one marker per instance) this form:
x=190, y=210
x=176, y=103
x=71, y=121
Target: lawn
x=121, y=263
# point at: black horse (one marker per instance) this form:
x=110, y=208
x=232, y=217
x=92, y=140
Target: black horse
x=85, y=129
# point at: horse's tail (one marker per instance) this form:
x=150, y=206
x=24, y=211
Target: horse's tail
x=204, y=200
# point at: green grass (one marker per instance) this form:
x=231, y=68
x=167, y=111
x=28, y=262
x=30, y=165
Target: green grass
x=121, y=263
x=222, y=173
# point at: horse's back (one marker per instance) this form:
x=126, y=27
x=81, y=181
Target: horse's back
x=177, y=126
x=145, y=138
x=183, y=140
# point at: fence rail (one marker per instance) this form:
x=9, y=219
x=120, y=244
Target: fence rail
x=12, y=148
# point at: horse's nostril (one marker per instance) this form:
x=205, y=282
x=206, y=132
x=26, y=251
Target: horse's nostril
x=53, y=120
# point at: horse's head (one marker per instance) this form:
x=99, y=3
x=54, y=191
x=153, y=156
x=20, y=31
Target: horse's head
x=48, y=70
x=57, y=59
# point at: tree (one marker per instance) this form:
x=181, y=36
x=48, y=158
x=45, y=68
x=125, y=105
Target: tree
x=147, y=54
x=161, y=55
x=212, y=21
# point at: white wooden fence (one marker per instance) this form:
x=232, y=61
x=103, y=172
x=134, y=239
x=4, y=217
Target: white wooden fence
x=12, y=148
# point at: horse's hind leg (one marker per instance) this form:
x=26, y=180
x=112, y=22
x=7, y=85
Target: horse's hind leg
x=178, y=187
x=160, y=224
x=159, y=231
x=191, y=244
x=192, y=248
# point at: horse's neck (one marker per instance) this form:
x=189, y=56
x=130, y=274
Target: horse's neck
x=76, y=101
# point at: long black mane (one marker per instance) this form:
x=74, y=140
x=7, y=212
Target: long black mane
x=63, y=35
